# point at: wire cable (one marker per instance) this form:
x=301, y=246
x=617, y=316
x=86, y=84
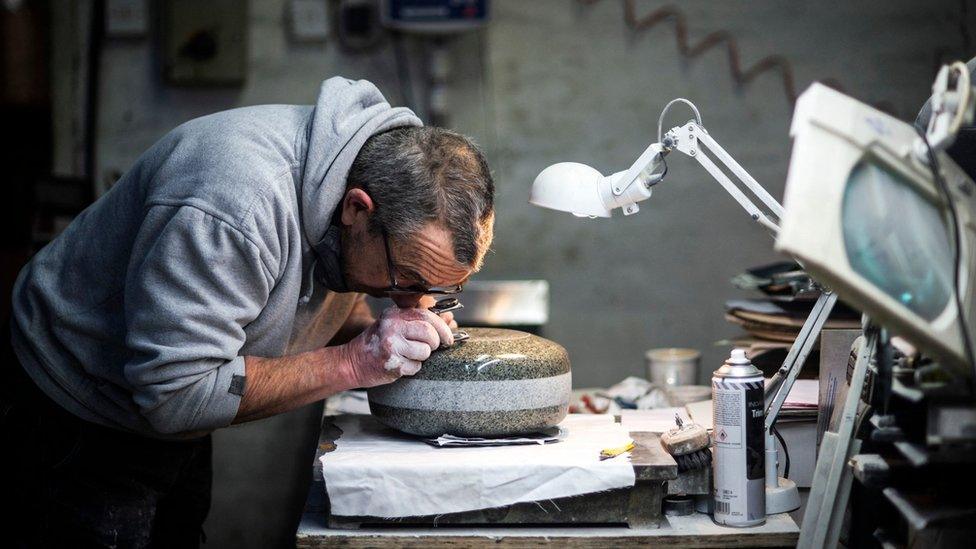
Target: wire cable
x=944, y=192
x=786, y=452
x=660, y=119
x=665, y=171
x=966, y=86
x=741, y=73
x=402, y=61
x=860, y=418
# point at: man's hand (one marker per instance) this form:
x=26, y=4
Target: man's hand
x=428, y=301
x=394, y=346
x=390, y=347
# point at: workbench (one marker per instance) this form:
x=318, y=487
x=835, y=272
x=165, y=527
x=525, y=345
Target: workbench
x=695, y=530
x=318, y=529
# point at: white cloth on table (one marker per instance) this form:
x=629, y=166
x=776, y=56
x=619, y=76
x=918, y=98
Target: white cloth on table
x=377, y=472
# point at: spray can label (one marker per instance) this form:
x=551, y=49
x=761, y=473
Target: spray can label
x=739, y=465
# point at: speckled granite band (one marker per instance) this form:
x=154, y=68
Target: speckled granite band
x=496, y=383
x=427, y=423
x=474, y=396
x=494, y=353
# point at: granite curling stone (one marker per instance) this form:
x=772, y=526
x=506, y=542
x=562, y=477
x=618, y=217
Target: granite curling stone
x=496, y=383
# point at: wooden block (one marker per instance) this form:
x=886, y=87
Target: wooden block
x=650, y=460
x=645, y=506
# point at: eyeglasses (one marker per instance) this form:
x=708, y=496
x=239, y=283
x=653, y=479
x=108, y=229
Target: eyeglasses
x=396, y=289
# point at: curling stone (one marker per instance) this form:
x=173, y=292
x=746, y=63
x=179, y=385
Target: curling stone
x=495, y=383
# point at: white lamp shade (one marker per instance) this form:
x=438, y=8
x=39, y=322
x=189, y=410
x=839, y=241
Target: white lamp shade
x=569, y=187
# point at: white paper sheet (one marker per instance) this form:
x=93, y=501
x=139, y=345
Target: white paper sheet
x=805, y=393
x=548, y=436
x=377, y=472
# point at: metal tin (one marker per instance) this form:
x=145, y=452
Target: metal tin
x=678, y=505
x=672, y=367
x=739, y=461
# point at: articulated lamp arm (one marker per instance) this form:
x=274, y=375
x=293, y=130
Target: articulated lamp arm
x=693, y=140
x=583, y=191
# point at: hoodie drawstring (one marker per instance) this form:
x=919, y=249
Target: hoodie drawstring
x=311, y=284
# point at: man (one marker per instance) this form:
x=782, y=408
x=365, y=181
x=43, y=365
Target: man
x=202, y=290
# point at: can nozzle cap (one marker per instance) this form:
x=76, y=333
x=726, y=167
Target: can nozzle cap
x=738, y=357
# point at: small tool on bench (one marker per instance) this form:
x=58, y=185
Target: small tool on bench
x=608, y=453
x=688, y=445
x=448, y=304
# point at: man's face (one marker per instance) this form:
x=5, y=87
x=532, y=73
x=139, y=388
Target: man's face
x=427, y=260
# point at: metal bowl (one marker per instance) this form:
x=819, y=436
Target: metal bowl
x=496, y=383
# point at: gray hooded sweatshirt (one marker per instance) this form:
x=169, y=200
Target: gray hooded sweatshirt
x=209, y=249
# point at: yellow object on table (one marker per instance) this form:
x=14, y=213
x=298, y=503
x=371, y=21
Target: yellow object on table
x=608, y=453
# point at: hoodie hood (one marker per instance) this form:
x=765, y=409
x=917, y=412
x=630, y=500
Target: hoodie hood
x=346, y=114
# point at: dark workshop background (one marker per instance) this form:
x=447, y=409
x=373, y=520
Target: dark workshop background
x=87, y=85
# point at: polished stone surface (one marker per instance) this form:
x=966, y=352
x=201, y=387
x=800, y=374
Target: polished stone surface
x=495, y=353
x=497, y=383
x=502, y=423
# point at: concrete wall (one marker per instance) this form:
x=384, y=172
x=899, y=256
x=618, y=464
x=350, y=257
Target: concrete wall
x=551, y=81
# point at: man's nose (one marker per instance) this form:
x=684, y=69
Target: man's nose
x=407, y=301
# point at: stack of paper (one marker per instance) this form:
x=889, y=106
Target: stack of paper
x=553, y=434
x=773, y=320
x=804, y=394
x=801, y=403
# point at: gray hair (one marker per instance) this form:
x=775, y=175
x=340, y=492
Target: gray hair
x=416, y=175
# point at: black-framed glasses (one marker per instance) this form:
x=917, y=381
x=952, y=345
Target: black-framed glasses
x=396, y=288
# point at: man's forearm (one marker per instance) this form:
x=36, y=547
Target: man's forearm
x=277, y=385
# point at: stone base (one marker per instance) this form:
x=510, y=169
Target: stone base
x=427, y=423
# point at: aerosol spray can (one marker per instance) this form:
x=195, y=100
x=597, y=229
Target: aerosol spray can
x=739, y=461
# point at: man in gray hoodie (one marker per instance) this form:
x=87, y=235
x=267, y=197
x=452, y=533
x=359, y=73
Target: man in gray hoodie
x=221, y=281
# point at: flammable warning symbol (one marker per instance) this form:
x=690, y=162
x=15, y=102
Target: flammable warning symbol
x=722, y=436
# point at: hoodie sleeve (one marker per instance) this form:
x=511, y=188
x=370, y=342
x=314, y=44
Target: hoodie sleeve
x=194, y=282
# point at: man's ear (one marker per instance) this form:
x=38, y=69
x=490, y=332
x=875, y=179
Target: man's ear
x=357, y=206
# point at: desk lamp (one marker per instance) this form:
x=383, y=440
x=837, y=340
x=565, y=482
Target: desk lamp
x=585, y=192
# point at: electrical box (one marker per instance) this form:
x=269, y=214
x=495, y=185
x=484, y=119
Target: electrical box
x=204, y=42
x=308, y=20
x=434, y=16
x=358, y=25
